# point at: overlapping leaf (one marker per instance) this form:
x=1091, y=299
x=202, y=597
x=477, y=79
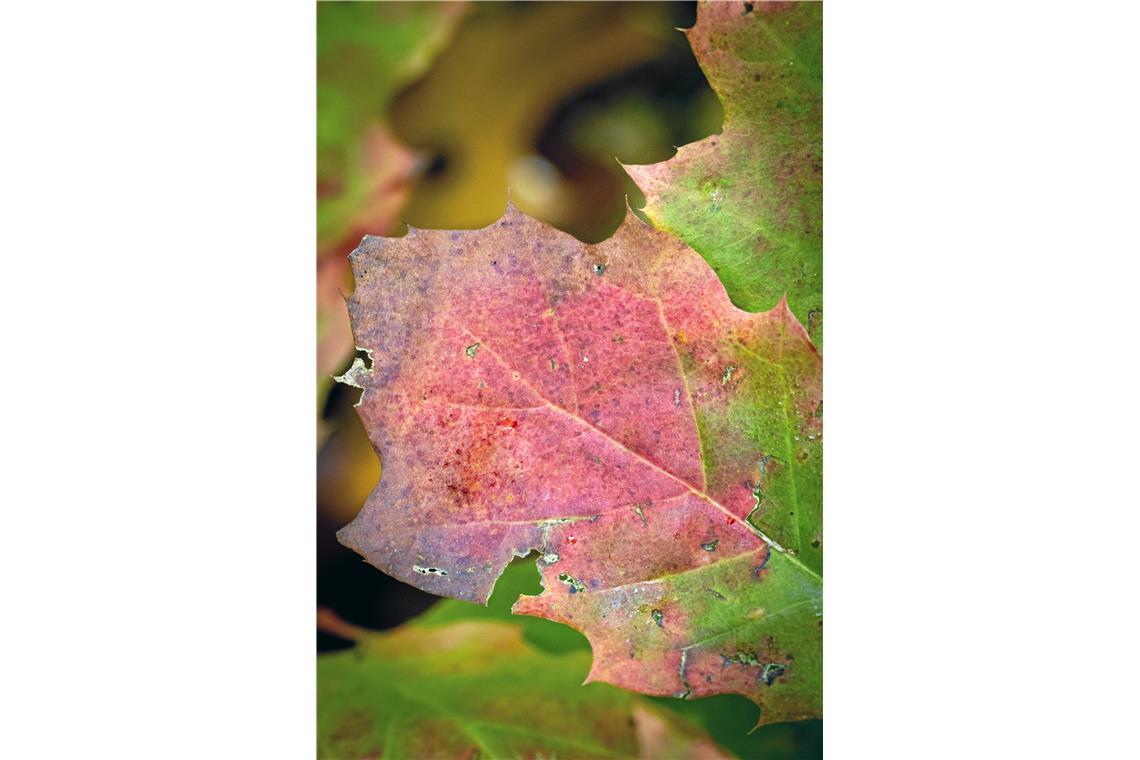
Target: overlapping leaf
x=476, y=689
x=607, y=406
x=750, y=199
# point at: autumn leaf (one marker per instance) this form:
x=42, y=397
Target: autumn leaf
x=608, y=407
x=750, y=199
x=477, y=689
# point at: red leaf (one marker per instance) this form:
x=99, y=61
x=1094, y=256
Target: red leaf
x=606, y=406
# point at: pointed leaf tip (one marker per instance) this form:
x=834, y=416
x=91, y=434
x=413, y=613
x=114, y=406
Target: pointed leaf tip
x=750, y=198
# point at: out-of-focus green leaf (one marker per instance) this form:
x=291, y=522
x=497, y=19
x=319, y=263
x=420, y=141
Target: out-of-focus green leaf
x=750, y=200
x=477, y=689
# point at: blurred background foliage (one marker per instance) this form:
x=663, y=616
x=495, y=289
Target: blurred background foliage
x=427, y=113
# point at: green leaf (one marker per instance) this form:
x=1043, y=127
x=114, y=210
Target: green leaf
x=476, y=689
x=750, y=200
x=608, y=407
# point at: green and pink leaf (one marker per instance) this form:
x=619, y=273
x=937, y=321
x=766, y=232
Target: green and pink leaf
x=750, y=200
x=607, y=407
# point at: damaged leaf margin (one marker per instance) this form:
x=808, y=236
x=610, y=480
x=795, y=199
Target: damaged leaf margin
x=676, y=505
x=356, y=375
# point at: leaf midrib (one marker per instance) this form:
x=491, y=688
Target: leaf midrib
x=489, y=348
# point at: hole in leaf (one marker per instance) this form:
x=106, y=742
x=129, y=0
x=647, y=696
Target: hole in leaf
x=519, y=578
x=363, y=356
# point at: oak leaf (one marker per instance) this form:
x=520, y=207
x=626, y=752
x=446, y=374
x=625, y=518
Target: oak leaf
x=607, y=407
x=750, y=200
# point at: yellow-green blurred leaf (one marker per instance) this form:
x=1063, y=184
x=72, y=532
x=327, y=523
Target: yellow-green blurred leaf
x=483, y=106
x=477, y=689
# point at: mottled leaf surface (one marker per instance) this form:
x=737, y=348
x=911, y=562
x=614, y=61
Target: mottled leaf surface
x=750, y=199
x=476, y=689
x=607, y=406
